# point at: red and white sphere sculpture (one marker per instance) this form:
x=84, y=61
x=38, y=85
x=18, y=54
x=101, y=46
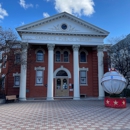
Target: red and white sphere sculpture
x=113, y=82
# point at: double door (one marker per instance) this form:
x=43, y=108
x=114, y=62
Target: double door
x=61, y=87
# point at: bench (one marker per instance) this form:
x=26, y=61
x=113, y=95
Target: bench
x=83, y=95
x=11, y=97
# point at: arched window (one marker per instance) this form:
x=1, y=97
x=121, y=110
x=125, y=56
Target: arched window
x=40, y=55
x=66, y=56
x=61, y=73
x=57, y=56
x=82, y=56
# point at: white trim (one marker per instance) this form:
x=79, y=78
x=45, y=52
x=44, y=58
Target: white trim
x=58, y=16
x=61, y=68
x=39, y=49
x=39, y=68
x=83, y=68
x=57, y=49
x=17, y=51
x=66, y=49
x=83, y=50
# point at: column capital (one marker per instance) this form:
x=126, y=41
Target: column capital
x=24, y=45
x=100, y=47
x=76, y=47
x=50, y=46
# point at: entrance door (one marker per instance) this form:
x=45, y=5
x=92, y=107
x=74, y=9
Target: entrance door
x=61, y=87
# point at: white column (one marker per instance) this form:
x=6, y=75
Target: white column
x=50, y=71
x=100, y=71
x=22, y=91
x=76, y=72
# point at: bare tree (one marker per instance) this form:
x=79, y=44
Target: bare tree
x=119, y=58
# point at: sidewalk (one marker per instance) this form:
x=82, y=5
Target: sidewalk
x=63, y=115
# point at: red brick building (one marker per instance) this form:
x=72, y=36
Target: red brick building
x=66, y=59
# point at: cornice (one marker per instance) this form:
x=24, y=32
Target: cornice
x=61, y=33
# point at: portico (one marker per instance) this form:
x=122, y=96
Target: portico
x=64, y=43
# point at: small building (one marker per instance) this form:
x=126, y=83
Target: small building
x=65, y=59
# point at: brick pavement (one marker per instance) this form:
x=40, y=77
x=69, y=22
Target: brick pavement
x=63, y=115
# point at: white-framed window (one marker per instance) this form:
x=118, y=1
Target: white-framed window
x=58, y=56
x=16, y=79
x=82, y=56
x=39, y=76
x=83, y=76
x=39, y=55
x=66, y=56
x=17, y=58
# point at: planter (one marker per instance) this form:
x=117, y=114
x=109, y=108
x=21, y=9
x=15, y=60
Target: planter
x=115, y=102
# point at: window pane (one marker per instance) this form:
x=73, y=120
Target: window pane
x=58, y=56
x=58, y=83
x=83, y=73
x=83, y=79
x=66, y=59
x=82, y=57
x=39, y=77
x=39, y=80
x=40, y=55
x=61, y=73
x=39, y=73
x=17, y=57
x=17, y=80
x=17, y=83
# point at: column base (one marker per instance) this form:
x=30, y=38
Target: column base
x=22, y=99
x=76, y=98
x=49, y=98
x=101, y=97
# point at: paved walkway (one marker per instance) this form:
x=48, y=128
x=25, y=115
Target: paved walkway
x=63, y=115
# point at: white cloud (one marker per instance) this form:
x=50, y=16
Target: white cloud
x=37, y=5
x=24, y=5
x=22, y=23
x=45, y=15
x=76, y=7
x=3, y=12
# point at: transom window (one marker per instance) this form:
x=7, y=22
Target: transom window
x=61, y=73
x=40, y=55
x=58, y=56
x=83, y=77
x=66, y=56
x=82, y=56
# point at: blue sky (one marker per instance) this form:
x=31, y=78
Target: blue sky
x=111, y=15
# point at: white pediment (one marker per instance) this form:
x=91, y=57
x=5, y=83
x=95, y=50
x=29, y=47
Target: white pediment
x=54, y=24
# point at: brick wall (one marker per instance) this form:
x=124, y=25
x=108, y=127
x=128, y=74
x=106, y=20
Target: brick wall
x=41, y=91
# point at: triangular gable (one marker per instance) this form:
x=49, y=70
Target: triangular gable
x=53, y=24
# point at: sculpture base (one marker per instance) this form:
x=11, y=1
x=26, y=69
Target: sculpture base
x=115, y=102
